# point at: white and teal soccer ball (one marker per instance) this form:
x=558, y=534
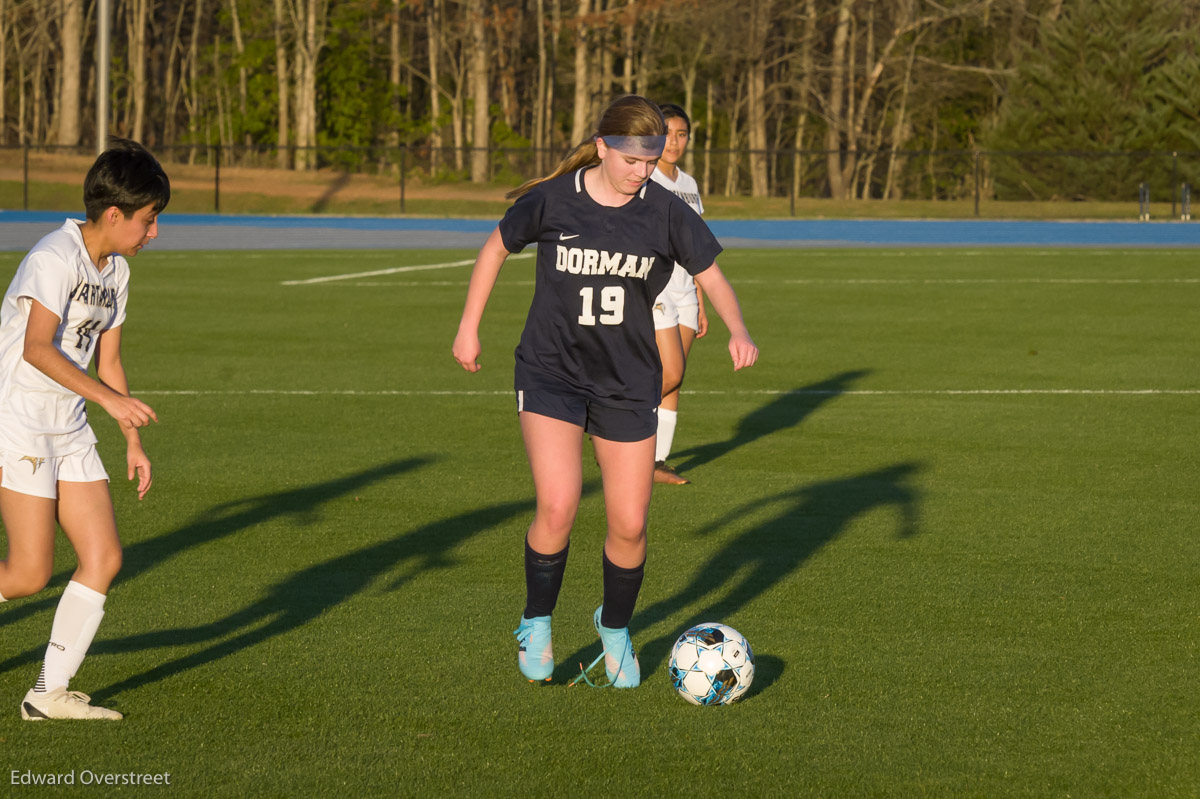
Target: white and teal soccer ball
x=712, y=664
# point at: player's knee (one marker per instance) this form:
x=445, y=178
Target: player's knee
x=26, y=582
x=112, y=562
x=628, y=528
x=103, y=563
x=556, y=517
x=672, y=379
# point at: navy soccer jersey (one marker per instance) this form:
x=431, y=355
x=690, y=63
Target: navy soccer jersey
x=590, y=328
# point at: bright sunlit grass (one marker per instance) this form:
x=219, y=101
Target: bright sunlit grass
x=951, y=508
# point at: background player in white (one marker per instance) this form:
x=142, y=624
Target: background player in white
x=65, y=305
x=679, y=317
x=608, y=240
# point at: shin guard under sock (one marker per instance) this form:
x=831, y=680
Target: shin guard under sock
x=543, y=580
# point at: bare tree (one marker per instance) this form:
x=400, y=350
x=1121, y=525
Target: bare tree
x=756, y=100
x=395, y=67
x=239, y=47
x=192, y=95
x=136, y=14
x=480, y=128
x=542, y=90
x=282, y=81
x=433, y=20
x=4, y=29
x=70, y=35
x=804, y=90
x=310, y=19
x=581, y=124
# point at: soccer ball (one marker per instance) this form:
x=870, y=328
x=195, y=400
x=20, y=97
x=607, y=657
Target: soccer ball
x=712, y=664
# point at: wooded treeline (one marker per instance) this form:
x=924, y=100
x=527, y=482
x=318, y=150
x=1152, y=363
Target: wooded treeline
x=836, y=91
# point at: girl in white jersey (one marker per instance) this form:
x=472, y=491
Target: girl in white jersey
x=608, y=240
x=64, y=307
x=679, y=317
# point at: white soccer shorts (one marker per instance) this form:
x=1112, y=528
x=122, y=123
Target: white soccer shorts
x=38, y=477
x=672, y=309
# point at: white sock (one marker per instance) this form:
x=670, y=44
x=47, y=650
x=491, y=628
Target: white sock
x=666, y=433
x=79, y=613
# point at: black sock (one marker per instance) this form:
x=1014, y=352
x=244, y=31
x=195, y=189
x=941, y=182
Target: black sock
x=621, y=587
x=543, y=580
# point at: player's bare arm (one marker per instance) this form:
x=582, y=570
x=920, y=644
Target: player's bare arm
x=742, y=349
x=111, y=372
x=491, y=259
x=40, y=353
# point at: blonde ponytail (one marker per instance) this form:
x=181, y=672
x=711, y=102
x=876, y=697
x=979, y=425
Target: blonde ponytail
x=631, y=115
x=583, y=155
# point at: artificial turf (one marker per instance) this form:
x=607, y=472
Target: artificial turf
x=951, y=508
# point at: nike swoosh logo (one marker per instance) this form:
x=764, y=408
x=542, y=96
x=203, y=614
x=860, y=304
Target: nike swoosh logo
x=564, y=236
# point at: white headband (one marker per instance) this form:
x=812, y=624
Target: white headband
x=642, y=146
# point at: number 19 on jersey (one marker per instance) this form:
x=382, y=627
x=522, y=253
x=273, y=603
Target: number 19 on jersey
x=612, y=303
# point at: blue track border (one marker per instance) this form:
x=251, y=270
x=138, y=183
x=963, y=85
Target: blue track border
x=259, y=232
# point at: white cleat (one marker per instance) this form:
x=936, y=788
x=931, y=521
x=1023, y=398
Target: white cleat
x=63, y=704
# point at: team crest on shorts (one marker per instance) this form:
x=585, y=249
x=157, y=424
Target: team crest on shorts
x=35, y=462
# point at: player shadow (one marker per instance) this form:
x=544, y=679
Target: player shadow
x=300, y=598
x=214, y=524
x=784, y=412
x=331, y=191
x=749, y=565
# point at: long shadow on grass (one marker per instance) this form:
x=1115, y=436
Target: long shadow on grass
x=220, y=521
x=307, y=594
x=784, y=412
x=749, y=565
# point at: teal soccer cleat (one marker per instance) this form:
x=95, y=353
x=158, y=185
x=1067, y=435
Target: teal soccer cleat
x=620, y=662
x=534, y=654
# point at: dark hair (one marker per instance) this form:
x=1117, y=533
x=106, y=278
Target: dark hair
x=670, y=110
x=127, y=176
x=631, y=115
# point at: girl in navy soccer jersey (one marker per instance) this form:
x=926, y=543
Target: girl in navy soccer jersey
x=608, y=240
x=66, y=306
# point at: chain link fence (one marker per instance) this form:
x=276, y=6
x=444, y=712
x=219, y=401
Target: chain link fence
x=436, y=180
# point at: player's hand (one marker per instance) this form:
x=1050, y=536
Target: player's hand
x=139, y=467
x=130, y=412
x=742, y=350
x=466, y=351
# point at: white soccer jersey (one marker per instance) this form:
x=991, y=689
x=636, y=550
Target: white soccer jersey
x=681, y=287
x=37, y=415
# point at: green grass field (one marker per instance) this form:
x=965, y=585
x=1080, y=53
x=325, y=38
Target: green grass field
x=952, y=508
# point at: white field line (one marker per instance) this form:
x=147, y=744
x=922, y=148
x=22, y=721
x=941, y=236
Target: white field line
x=975, y=281
x=392, y=271
x=814, y=281
x=949, y=392
x=821, y=282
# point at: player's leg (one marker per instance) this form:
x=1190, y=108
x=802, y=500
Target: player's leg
x=555, y=451
x=687, y=336
x=670, y=352
x=85, y=513
x=29, y=527
x=669, y=409
x=627, y=469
